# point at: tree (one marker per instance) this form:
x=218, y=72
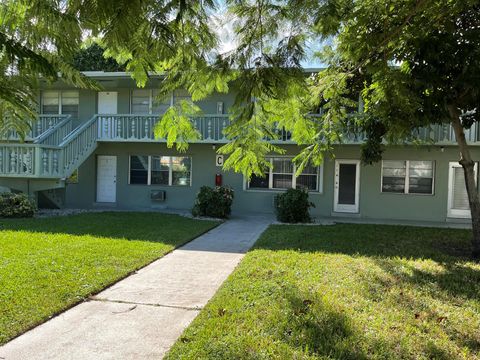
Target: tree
x=91, y=59
x=419, y=62
x=39, y=39
x=415, y=63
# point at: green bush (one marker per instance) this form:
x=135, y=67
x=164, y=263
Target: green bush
x=292, y=206
x=14, y=205
x=213, y=202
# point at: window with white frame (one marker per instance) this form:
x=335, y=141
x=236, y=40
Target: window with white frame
x=282, y=176
x=60, y=102
x=141, y=101
x=149, y=101
x=408, y=177
x=139, y=168
x=160, y=170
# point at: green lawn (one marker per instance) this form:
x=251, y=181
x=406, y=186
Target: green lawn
x=344, y=292
x=47, y=265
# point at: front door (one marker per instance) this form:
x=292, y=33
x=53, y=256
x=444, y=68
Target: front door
x=106, y=179
x=107, y=105
x=347, y=186
x=458, y=205
x=107, y=102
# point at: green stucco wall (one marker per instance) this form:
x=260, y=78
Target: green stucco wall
x=373, y=203
x=88, y=99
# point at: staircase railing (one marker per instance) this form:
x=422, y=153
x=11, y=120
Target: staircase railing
x=59, y=151
x=78, y=145
x=38, y=127
x=53, y=156
x=56, y=134
x=30, y=160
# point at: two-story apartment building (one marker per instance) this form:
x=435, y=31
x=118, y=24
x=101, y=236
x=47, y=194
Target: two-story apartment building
x=97, y=150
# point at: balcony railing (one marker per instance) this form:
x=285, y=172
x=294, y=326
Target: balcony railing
x=59, y=151
x=141, y=127
x=37, y=127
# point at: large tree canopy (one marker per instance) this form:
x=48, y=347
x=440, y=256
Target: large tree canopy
x=91, y=58
x=39, y=39
x=413, y=63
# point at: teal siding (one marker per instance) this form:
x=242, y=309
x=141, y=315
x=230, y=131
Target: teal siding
x=87, y=105
x=373, y=203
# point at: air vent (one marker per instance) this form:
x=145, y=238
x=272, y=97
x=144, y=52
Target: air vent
x=158, y=195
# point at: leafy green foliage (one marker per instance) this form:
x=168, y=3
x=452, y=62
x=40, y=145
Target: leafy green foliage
x=40, y=39
x=292, y=206
x=50, y=264
x=176, y=125
x=37, y=39
x=213, y=202
x=92, y=59
x=344, y=292
x=16, y=205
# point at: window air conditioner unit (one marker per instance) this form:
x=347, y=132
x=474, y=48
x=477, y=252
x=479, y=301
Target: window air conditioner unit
x=158, y=195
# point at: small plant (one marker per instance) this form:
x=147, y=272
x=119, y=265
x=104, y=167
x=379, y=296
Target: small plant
x=292, y=206
x=213, y=202
x=13, y=205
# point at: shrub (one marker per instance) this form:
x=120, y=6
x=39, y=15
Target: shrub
x=14, y=205
x=213, y=202
x=292, y=206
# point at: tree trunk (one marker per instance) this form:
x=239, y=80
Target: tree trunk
x=469, y=169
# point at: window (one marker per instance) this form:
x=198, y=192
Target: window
x=60, y=102
x=139, y=169
x=180, y=166
x=407, y=177
x=308, y=179
x=141, y=101
x=149, y=101
x=282, y=173
x=161, y=170
x=50, y=101
x=282, y=176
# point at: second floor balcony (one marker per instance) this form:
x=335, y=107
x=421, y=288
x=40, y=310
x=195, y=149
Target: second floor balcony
x=140, y=128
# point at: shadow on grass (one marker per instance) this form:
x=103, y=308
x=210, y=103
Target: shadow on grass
x=372, y=240
x=321, y=329
x=405, y=255
x=138, y=226
x=318, y=328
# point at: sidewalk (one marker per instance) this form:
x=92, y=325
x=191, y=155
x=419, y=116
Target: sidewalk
x=141, y=316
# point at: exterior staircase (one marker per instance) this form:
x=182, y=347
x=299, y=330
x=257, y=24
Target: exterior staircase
x=53, y=149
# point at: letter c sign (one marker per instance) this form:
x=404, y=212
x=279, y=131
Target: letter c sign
x=219, y=160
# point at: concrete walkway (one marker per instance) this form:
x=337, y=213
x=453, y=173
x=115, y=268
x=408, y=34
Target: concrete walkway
x=141, y=316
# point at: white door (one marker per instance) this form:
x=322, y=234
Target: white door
x=106, y=179
x=458, y=205
x=107, y=105
x=107, y=102
x=347, y=186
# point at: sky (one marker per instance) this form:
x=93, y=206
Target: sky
x=224, y=24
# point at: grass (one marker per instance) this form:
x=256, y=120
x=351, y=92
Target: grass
x=344, y=292
x=48, y=265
